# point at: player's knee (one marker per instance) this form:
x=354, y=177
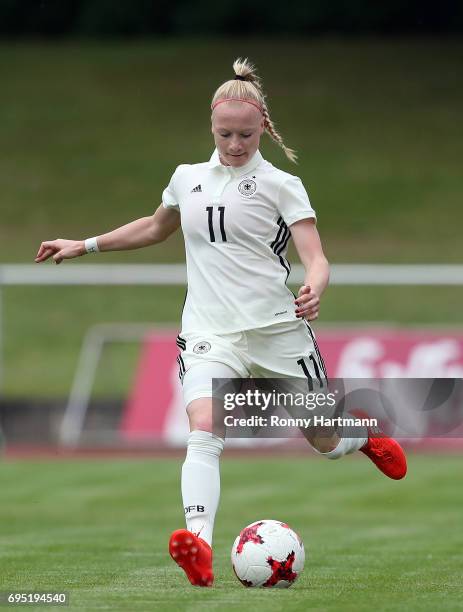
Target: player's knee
x=200, y=414
x=325, y=444
x=202, y=424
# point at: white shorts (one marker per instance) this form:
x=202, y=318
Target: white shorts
x=283, y=350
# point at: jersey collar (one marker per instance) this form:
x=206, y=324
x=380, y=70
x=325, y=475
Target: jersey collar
x=215, y=162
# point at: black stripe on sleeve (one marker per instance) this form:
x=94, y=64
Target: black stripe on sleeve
x=278, y=236
x=279, y=244
x=181, y=342
x=283, y=245
x=283, y=239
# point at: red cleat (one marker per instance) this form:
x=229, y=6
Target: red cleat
x=386, y=454
x=193, y=555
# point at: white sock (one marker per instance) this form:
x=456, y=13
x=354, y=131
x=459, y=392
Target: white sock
x=346, y=446
x=201, y=482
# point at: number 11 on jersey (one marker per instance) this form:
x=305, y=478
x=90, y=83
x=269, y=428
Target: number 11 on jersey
x=210, y=221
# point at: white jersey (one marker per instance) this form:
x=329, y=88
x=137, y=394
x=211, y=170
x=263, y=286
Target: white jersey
x=235, y=225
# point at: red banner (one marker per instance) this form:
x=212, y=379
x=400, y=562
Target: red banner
x=155, y=407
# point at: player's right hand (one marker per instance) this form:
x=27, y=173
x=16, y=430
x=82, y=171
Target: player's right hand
x=60, y=249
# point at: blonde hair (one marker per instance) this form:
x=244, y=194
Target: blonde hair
x=248, y=88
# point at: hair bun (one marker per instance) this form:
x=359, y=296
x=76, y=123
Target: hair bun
x=245, y=71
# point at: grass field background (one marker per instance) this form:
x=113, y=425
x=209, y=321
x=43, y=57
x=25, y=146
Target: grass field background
x=99, y=530
x=91, y=133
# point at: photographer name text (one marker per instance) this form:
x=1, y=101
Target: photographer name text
x=305, y=422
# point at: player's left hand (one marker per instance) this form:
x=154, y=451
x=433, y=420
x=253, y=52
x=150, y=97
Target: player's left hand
x=307, y=303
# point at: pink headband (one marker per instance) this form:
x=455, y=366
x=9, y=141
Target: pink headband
x=255, y=104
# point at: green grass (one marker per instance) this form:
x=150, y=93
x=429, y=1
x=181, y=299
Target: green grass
x=99, y=531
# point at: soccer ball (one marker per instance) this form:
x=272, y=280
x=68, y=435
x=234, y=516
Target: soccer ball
x=267, y=554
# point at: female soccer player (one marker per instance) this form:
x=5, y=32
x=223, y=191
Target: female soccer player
x=237, y=213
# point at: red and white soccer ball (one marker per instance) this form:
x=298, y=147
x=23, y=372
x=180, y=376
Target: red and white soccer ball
x=268, y=554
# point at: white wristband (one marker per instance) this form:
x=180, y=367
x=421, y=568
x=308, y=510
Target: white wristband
x=91, y=245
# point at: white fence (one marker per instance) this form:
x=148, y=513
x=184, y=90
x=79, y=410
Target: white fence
x=70, y=273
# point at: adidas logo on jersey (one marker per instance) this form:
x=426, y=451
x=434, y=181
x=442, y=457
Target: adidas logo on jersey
x=197, y=189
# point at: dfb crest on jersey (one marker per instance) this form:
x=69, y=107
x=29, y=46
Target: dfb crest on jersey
x=247, y=187
x=201, y=347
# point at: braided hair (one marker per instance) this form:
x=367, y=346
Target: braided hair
x=247, y=86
